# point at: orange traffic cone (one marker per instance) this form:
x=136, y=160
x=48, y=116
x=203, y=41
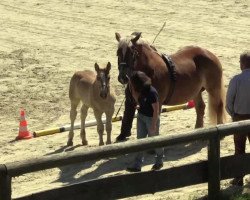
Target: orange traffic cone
x=23, y=130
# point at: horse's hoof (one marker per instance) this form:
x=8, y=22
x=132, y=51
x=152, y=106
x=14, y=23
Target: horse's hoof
x=84, y=142
x=70, y=143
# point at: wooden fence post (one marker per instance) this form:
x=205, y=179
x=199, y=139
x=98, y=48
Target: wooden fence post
x=5, y=184
x=214, y=167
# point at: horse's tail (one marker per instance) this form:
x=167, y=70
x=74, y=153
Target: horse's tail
x=214, y=84
x=73, y=95
x=216, y=104
x=72, y=86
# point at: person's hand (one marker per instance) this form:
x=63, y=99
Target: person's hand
x=137, y=107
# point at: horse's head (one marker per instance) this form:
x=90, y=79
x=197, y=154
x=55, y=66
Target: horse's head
x=103, y=78
x=127, y=54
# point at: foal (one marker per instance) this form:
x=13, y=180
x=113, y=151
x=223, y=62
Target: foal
x=93, y=90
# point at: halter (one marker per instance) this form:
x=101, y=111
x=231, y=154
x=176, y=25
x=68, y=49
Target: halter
x=135, y=54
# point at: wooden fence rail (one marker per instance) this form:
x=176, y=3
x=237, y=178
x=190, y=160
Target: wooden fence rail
x=212, y=170
x=127, y=185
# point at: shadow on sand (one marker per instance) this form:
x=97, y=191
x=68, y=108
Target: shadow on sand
x=79, y=172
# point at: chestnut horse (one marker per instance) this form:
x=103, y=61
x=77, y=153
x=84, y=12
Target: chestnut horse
x=93, y=90
x=195, y=70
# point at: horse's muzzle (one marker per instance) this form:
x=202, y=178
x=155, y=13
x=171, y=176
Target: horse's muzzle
x=104, y=92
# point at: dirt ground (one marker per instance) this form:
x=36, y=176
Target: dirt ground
x=42, y=43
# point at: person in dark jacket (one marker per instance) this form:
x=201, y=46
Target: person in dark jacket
x=148, y=119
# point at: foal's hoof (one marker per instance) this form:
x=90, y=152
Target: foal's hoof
x=108, y=142
x=101, y=143
x=70, y=143
x=84, y=142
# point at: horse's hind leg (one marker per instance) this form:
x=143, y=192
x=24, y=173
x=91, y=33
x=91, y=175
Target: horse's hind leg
x=73, y=114
x=84, y=112
x=100, y=126
x=200, y=110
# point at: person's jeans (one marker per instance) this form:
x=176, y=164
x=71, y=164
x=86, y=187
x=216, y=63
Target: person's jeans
x=240, y=139
x=143, y=125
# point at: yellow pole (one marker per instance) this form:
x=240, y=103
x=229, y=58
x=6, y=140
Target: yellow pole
x=46, y=132
x=114, y=119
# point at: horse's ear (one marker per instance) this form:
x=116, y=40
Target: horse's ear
x=96, y=67
x=136, y=33
x=134, y=40
x=108, y=67
x=118, y=37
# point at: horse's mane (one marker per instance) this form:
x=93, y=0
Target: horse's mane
x=126, y=42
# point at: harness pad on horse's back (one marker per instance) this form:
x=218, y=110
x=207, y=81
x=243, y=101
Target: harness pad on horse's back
x=172, y=76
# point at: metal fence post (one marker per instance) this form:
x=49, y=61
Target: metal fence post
x=5, y=184
x=214, y=167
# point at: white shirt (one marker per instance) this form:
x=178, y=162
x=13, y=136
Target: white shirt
x=238, y=94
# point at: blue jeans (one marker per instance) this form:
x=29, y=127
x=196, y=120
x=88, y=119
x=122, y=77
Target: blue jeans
x=143, y=125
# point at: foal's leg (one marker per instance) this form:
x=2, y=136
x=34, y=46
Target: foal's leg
x=109, y=126
x=100, y=126
x=84, y=112
x=73, y=114
x=200, y=110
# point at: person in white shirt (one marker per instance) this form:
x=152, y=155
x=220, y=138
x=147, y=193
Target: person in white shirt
x=238, y=105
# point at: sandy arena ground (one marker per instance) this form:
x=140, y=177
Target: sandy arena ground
x=42, y=43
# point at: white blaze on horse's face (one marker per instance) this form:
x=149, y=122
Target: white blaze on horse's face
x=127, y=55
x=103, y=78
x=125, y=59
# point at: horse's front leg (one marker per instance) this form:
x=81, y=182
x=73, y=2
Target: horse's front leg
x=100, y=126
x=200, y=110
x=84, y=112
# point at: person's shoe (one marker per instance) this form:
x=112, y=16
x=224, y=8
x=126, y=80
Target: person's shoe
x=133, y=169
x=237, y=182
x=157, y=166
x=121, y=138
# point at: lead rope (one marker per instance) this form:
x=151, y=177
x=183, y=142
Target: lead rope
x=121, y=104
x=159, y=32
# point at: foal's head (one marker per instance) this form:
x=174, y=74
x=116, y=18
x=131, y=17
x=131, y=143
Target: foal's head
x=103, y=78
x=127, y=54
